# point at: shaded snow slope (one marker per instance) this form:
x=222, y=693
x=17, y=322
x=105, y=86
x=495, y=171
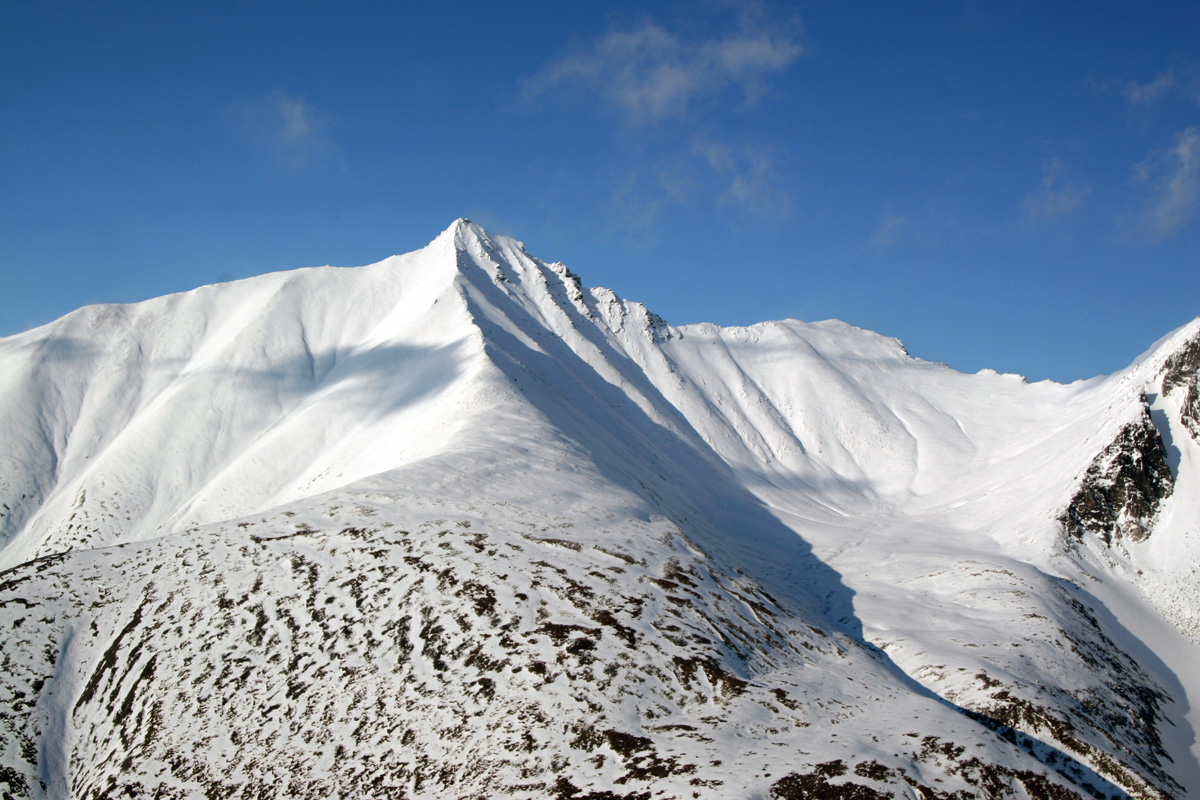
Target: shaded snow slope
x=455, y=525
x=132, y=421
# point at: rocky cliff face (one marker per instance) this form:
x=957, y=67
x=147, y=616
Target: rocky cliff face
x=1183, y=367
x=1181, y=372
x=1123, y=488
x=1191, y=409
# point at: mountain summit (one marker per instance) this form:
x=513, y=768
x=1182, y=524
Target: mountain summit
x=456, y=525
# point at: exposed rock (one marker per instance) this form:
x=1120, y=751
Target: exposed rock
x=1190, y=411
x=1123, y=488
x=1182, y=371
x=1183, y=367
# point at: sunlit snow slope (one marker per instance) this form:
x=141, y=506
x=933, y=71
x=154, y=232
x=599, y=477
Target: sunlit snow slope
x=455, y=525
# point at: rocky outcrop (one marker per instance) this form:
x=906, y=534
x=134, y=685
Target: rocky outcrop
x=1182, y=371
x=1183, y=367
x=1123, y=487
x=1190, y=412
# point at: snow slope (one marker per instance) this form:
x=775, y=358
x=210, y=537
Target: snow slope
x=455, y=525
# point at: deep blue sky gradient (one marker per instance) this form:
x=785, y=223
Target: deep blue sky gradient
x=1012, y=185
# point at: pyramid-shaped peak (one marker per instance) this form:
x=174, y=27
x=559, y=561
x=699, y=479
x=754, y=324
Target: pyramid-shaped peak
x=463, y=232
x=463, y=225
x=472, y=242
x=464, y=242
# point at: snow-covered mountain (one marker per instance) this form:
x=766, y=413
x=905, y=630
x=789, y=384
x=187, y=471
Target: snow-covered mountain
x=455, y=525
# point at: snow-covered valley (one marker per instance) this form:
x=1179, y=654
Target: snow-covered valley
x=455, y=525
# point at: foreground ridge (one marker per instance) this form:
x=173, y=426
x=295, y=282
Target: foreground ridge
x=456, y=525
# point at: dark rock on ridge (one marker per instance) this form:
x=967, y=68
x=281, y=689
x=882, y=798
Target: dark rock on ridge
x=1123, y=487
x=1182, y=370
x=1183, y=367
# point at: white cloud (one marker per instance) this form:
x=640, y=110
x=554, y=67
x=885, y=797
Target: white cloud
x=1054, y=198
x=648, y=73
x=890, y=230
x=637, y=201
x=1174, y=174
x=1143, y=93
x=1177, y=81
x=292, y=132
x=745, y=175
x=657, y=80
x=924, y=228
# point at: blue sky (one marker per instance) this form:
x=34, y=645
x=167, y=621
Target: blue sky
x=1012, y=185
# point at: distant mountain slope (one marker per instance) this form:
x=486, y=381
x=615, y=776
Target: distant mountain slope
x=455, y=525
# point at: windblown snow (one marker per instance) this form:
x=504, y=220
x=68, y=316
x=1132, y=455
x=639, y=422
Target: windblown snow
x=454, y=525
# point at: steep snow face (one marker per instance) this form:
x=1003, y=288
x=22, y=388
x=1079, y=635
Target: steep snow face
x=956, y=482
x=125, y=422
x=457, y=498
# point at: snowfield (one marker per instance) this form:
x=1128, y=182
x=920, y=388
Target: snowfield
x=454, y=525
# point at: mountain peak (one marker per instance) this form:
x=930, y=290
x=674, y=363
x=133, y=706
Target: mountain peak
x=464, y=227
x=529, y=539
x=464, y=234
x=473, y=246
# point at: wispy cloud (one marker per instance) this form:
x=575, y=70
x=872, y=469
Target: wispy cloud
x=1054, y=198
x=680, y=94
x=923, y=228
x=1176, y=81
x=1174, y=175
x=746, y=175
x=292, y=132
x=891, y=230
x=637, y=201
x=1139, y=94
x=648, y=73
